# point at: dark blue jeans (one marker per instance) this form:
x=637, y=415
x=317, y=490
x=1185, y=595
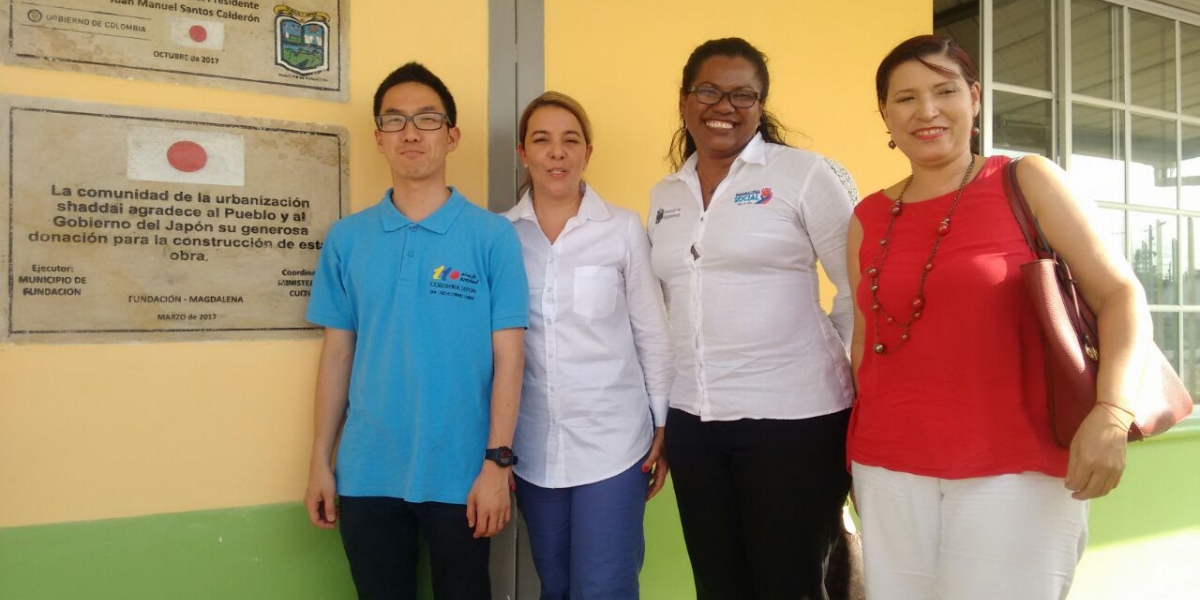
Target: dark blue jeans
x=380, y=536
x=587, y=540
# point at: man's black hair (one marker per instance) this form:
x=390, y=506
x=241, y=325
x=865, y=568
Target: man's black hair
x=415, y=72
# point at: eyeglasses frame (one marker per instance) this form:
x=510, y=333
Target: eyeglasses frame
x=724, y=95
x=410, y=119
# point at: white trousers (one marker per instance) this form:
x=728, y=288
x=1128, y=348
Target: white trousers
x=1006, y=537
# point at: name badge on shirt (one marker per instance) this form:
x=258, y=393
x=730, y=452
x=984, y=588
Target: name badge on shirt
x=666, y=213
x=762, y=196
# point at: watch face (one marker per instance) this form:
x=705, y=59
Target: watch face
x=502, y=456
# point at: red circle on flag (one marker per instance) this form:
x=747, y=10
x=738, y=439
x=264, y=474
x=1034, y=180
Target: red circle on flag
x=186, y=156
x=198, y=33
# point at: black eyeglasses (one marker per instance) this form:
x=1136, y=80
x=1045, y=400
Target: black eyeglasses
x=706, y=94
x=425, y=121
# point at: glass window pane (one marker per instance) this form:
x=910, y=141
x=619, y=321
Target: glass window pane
x=1152, y=172
x=1112, y=230
x=1096, y=48
x=1189, y=169
x=1021, y=32
x=1190, y=260
x=1022, y=124
x=959, y=21
x=1190, y=370
x=1155, y=249
x=1098, y=153
x=1189, y=52
x=1152, y=43
x=1166, y=335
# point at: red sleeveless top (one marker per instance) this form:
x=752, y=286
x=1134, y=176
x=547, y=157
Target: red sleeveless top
x=965, y=396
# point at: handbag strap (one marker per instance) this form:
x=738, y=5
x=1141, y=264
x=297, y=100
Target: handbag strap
x=1020, y=208
x=1078, y=311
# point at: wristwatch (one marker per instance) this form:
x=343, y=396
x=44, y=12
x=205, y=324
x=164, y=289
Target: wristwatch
x=502, y=456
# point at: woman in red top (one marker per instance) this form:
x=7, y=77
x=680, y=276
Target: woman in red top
x=962, y=490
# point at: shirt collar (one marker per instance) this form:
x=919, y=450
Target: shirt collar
x=439, y=222
x=591, y=208
x=523, y=210
x=755, y=152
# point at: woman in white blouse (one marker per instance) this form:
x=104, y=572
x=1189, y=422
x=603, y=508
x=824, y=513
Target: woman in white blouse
x=756, y=430
x=598, y=367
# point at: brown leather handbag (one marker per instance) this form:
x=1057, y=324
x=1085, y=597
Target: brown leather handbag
x=1073, y=342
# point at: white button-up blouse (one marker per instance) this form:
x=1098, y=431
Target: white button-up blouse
x=742, y=288
x=598, y=359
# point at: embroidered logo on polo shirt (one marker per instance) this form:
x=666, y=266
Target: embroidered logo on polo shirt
x=450, y=282
x=762, y=196
x=666, y=213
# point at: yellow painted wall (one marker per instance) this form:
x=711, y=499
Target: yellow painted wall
x=113, y=430
x=623, y=59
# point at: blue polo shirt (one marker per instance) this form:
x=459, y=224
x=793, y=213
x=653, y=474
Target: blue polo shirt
x=423, y=300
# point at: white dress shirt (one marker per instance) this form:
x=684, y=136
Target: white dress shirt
x=598, y=361
x=740, y=280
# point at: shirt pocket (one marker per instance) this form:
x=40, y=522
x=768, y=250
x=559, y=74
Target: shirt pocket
x=595, y=291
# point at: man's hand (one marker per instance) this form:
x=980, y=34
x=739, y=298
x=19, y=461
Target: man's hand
x=488, y=507
x=332, y=398
x=319, y=498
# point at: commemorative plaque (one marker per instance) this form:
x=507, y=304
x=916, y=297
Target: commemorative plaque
x=132, y=225
x=296, y=47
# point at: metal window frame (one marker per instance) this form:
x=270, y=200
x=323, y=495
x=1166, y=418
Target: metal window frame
x=1063, y=99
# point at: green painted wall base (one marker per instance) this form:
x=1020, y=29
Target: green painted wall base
x=252, y=553
x=1147, y=533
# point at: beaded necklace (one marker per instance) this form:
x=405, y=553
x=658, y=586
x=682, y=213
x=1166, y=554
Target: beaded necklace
x=876, y=267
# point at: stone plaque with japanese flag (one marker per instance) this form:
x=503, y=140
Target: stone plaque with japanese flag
x=127, y=224
x=294, y=47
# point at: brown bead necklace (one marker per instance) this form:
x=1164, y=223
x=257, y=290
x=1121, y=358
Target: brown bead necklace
x=918, y=303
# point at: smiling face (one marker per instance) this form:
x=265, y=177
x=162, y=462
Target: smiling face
x=556, y=152
x=930, y=114
x=721, y=130
x=413, y=154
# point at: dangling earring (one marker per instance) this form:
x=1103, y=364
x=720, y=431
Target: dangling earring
x=892, y=144
x=975, y=131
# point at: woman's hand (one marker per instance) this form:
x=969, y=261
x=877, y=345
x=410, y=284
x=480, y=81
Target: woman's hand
x=656, y=463
x=1098, y=453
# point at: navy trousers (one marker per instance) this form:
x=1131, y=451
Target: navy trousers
x=380, y=536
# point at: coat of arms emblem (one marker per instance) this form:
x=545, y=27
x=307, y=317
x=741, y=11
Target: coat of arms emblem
x=301, y=40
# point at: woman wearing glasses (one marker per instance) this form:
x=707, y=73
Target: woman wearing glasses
x=757, y=424
x=598, y=367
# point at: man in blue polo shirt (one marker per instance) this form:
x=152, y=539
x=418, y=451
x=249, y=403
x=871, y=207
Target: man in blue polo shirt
x=424, y=303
